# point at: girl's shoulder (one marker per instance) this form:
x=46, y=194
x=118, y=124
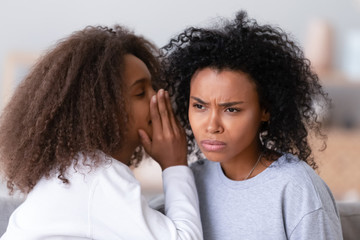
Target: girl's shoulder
x=108, y=168
x=114, y=170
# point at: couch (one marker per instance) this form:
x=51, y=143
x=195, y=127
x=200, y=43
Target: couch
x=350, y=219
x=7, y=206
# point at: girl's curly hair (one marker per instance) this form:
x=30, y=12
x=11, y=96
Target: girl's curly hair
x=71, y=102
x=287, y=87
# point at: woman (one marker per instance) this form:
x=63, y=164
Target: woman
x=245, y=95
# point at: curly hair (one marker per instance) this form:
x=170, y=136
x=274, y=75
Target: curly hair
x=71, y=102
x=286, y=85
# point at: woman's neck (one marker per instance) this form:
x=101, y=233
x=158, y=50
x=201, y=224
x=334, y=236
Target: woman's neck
x=245, y=165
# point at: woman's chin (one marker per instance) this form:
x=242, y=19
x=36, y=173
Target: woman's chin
x=212, y=157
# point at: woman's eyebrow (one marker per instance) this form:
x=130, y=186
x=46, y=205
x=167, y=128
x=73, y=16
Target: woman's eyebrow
x=229, y=104
x=199, y=100
x=225, y=104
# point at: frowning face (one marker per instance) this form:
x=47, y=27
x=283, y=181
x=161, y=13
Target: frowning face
x=225, y=114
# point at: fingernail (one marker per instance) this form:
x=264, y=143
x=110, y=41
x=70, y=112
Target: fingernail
x=161, y=92
x=166, y=94
x=153, y=99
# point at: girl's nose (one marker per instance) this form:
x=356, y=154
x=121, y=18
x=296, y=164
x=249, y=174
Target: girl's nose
x=151, y=92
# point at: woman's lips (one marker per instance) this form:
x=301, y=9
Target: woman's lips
x=212, y=145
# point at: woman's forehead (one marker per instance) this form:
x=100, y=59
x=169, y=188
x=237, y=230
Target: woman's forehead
x=223, y=83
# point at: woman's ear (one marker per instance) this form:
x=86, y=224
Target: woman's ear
x=265, y=115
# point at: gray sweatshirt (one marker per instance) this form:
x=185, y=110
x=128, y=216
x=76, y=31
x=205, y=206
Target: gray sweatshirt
x=288, y=200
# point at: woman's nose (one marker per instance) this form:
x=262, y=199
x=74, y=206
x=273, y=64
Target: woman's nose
x=214, y=125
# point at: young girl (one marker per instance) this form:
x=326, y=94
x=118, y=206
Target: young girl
x=70, y=133
x=247, y=95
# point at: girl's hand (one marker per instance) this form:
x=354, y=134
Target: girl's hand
x=168, y=145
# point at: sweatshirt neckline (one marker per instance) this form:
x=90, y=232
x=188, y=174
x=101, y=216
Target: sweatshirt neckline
x=261, y=178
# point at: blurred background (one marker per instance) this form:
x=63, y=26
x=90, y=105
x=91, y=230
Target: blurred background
x=327, y=30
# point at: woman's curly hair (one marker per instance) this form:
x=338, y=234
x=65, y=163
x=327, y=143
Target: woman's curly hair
x=71, y=102
x=287, y=87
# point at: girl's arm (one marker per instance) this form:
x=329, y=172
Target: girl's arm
x=119, y=211
x=168, y=146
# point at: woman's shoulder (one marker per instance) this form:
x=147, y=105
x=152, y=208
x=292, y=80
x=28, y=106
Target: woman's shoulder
x=203, y=169
x=300, y=176
x=304, y=189
x=291, y=166
x=201, y=165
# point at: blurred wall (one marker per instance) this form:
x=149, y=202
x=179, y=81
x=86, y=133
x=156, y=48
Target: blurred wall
x=33, y=26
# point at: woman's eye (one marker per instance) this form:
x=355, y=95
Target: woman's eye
x=198, y=106
x=232, y=110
